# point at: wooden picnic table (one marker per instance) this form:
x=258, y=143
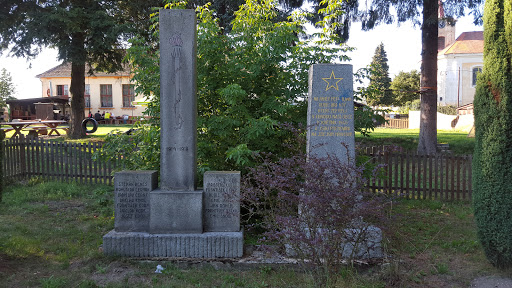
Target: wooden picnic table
x=18, y=126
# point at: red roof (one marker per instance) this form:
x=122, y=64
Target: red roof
x=467, y=43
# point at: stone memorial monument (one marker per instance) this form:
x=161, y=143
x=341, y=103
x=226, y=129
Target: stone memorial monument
x=331, y=132
x=331, y=112
x=176, y=220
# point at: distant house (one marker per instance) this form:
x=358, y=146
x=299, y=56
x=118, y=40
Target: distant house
x=112, y=92
x=458, y=65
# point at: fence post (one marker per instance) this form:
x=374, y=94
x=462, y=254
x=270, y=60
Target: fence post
x=23, y=160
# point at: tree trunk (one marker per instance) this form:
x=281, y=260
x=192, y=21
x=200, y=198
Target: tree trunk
x=427, y=144
x=77, y=89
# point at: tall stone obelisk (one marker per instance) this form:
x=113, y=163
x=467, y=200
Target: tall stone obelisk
x=178, y=103
x=177, y=207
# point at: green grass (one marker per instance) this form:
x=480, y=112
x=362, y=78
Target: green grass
x=459, y=143
x=408, y=138
x=51, y=232
x=102, y=132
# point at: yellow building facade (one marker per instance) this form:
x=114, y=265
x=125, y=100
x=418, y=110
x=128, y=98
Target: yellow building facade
x=104, y=92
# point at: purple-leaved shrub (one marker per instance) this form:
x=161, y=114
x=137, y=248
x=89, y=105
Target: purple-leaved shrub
x=315, y=207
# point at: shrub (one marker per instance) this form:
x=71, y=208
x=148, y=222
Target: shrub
x=492, y=158
x=317, y=208
x=410, y=105
x=447, y=109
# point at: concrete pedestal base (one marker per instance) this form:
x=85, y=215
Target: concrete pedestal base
x=369, y=247
x=204, y=245
x=176, y=212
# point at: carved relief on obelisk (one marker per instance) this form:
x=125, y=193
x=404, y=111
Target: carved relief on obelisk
x=176, y=44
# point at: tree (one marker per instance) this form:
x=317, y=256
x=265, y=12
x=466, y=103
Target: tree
x=250, y=82
x=379, y=12
x=7, y=89
x=84, y=32
x=405, y=87
x=492, y=180
x=379, y=78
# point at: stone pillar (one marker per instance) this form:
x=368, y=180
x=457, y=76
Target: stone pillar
x=331, y=112
x=177, y=207
x=178, y=104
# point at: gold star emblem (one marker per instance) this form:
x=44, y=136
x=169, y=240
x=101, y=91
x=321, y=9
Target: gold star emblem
x=332, y=81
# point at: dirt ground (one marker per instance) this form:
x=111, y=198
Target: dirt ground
x=19, y=272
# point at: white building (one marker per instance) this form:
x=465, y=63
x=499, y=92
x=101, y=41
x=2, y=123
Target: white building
x=458, y=65
x=112, y=92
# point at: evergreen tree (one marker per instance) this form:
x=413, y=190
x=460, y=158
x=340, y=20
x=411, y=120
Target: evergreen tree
x=424, y=13
x=379, y=78
x=7, y=89
x=492, y=162
x=405, y=87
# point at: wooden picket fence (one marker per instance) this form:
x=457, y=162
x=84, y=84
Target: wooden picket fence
x=25, y=158
x=406, y=174
x=396, y=123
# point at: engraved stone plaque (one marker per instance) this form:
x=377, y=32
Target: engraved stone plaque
x=221, y=201
x=131, y=200
x=331, y=112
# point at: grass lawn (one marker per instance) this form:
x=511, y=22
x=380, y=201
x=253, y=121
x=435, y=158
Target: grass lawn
x=102, y=131
x=51, y=233
x=408, y=138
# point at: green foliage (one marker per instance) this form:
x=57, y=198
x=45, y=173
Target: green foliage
x=138, y=150
x=379, y=79
x=413, y=105
x=249, y=81
x=492, y=178
x=447, y=109
x=53, y=282
x=366, y=119
x=406, y=87
x=7, y=89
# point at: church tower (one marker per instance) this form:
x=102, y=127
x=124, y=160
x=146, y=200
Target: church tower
x=446, y=29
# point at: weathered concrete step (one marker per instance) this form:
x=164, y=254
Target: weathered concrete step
x=204, y=245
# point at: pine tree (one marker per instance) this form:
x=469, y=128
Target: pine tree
x=492, y=162
x=379, y=78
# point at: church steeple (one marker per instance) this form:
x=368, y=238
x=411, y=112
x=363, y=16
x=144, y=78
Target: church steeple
x=446, y=29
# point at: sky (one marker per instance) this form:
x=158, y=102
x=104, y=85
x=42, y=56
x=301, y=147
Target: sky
x=402, y=45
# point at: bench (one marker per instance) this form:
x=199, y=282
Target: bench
x=64, y=127
x=41, y=130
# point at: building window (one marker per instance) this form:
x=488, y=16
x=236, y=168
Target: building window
x=87, y=96
x=106, y=95
x=62, y=90
x=476, y=71
x=440, y=43
x=128, y=95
